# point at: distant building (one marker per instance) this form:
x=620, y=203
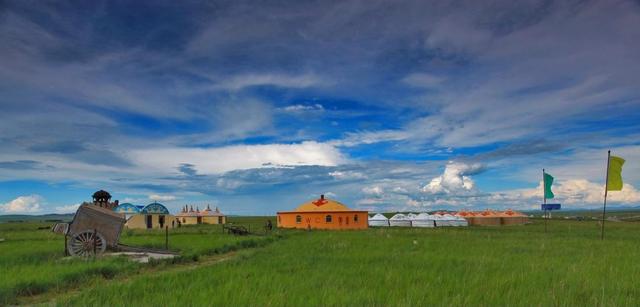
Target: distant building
x=188, y=216
x=151, y=216
x=128, y=210
x=323, y=213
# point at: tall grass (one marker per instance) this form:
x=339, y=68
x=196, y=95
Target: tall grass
x=492, y=266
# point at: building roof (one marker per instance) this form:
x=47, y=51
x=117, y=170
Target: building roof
x=399, y=217
x=188, y=211
x=322, y=204
x=126, y=208
x=490, y=213
x=378, y=217
x=155, y=208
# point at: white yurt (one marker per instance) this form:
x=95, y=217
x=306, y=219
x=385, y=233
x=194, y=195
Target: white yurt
x=411, y=215
x=460, y=221
x=423, y=220
x=449, y=220
x=441, y=221
x=400, y=220
x=378, y=220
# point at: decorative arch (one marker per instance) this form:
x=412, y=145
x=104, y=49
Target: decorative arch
x=155, y=208
x=126, y=208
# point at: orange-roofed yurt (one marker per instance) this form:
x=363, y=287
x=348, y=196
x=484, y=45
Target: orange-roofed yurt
x=486, y=218
x=323, y=213
x=493, y=218
x=511, y=217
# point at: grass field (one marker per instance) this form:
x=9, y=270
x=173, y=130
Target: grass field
x=32, y=260
x=488, y=266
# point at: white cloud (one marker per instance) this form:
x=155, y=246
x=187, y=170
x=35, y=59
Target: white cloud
x=158, y=197
x=297, y=108
x=228, y=184
x=400, y=190
x=346, y=175
x=238, y=157
x=330, y=195
x=375, y=191
x=573, y=193
x=280, y=80
x=453, y=180
x=67, y=209
x=23, y=204
x=370, y=137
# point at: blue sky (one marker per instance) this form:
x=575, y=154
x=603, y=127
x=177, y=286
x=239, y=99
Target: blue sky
x=257, y=107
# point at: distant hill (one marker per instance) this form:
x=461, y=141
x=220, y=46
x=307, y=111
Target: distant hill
x=35, y=218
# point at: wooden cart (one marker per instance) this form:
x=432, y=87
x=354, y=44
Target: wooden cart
x=92, y=230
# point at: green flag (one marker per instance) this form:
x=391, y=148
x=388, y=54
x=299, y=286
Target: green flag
x=548, y=180
x=615, y=174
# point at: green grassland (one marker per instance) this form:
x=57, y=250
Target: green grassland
x=518, y=265
x=476, y=266
x=32, y=260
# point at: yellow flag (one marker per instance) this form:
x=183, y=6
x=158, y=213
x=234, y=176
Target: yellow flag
x=615, y=174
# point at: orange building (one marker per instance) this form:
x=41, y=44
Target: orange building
x=323, y=213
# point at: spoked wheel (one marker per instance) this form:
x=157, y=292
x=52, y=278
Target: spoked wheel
x=82, y=244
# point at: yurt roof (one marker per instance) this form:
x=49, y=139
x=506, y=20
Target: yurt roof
x=322, y=204
x=510, y=212
x=126, y=208
x=155, y=208
x=424, y=216
x=399, y=216
x=378, y=217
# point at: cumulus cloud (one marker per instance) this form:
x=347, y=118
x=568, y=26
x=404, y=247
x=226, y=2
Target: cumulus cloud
x=454, y=180
x=224, y=159
x=159, y=197
x=573, y=193
x=24, y=204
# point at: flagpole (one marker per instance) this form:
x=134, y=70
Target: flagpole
x=606, y=188
x=544, y=200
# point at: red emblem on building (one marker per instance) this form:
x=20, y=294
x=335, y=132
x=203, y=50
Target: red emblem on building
x=321, y=201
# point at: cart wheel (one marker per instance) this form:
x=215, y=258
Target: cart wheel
x=81, y=243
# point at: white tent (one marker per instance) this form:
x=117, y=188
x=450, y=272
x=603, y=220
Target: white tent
x=379, y=220
x=422, y=220
x=400, y=220
x=460, y=221
x=450, y=220
x=441, y=220
x=411, y=216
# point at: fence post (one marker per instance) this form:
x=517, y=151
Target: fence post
x=166, y=237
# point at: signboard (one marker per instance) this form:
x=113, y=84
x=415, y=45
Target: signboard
x=550, y=206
